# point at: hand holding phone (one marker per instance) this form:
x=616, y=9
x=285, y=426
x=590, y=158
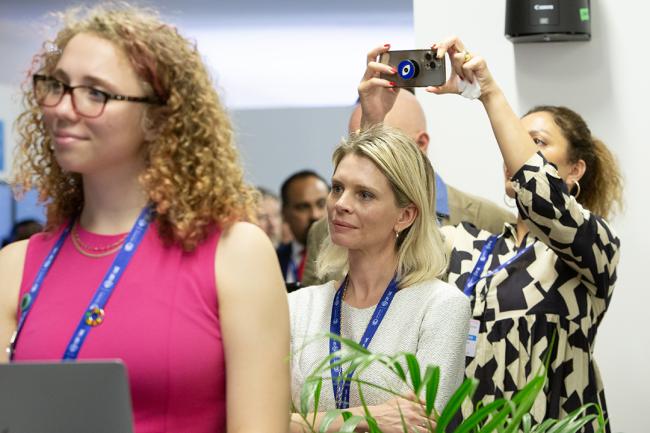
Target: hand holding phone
x=415, y=68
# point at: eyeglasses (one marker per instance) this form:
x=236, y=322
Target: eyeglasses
x=86, y=101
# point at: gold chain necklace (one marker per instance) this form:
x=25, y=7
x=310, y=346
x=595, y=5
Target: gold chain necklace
x=93, y=251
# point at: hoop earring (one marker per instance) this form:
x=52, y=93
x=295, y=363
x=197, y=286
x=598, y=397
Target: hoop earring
x=579, y=190
x=396, y=234
x=509, y=202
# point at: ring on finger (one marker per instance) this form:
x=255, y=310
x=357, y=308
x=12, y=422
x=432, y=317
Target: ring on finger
x=467, y=56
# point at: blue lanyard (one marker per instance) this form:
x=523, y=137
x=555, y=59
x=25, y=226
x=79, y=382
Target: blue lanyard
x=341, y=386
x=93, y=316
x=475, y=276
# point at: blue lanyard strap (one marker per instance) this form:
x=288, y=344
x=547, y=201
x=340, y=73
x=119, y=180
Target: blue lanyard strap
x=94, y=314
x=29, y=298
x=342, y=386
x=475, y=276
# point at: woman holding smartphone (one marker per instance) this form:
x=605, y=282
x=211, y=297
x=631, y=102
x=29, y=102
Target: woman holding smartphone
x=539, y=290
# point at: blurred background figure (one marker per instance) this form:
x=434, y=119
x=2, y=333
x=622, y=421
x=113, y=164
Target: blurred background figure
x=304, y=196
x=23, y=229
x=269, y=215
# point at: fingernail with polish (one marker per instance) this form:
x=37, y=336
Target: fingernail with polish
x=386, y=45
x=392, y=83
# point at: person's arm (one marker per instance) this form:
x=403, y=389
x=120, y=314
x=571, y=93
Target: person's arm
x=254, y=320
x=12, y=259
x=376, y=95
x=514, y=141
x=582, y=240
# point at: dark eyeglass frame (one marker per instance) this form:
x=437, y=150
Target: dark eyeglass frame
x=107, y=96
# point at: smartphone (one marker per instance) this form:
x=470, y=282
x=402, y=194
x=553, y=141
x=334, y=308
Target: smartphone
x=415, y=68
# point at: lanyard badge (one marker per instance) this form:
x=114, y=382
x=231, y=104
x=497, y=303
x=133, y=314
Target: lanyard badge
x=475, y=277
x=341, y=385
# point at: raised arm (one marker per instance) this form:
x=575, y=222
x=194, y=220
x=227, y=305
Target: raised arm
x=581, y=239
x=254, y=319
x=376, y=95
x=515, y=143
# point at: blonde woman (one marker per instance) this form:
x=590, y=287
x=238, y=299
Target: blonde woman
x=126, y=140
x=384, y=238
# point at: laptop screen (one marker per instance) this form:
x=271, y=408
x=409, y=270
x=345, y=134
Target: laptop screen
x=71, y=397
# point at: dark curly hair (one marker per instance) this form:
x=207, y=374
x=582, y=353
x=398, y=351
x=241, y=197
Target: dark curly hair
x=601, y=186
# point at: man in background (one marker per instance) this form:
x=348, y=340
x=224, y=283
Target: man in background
x=269, y=215
x=303, y=202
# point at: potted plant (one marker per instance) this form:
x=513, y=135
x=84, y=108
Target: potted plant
x=500, y=416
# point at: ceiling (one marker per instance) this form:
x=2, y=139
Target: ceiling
x=289, y=39
x=202, y=11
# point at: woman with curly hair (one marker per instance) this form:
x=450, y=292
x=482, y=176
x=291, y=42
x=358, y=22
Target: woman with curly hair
x=145, y=257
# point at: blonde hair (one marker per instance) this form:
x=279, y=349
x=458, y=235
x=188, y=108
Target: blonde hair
x=601, y=186
x=420, y=248
x=192, y=173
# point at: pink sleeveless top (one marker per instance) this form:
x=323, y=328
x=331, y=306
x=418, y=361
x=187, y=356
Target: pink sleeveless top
x=162, y=321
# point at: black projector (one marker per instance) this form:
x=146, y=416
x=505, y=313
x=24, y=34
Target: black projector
x=548, y=20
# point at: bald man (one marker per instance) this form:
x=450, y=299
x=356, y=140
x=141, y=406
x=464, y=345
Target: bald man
x=452, y=205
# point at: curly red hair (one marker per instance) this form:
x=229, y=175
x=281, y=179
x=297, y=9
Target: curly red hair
x=192, y=176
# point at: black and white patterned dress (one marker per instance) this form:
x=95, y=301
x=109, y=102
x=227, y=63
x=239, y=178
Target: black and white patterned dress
x=563, y=285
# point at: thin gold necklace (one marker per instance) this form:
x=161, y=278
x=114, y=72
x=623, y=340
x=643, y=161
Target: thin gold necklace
x=94, y=251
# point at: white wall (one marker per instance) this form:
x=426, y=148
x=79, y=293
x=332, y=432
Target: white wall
x=606, y=81
x=9, y=110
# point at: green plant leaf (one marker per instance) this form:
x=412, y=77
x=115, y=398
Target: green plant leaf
x=351, y=423
x=399, y=370
x=308, y=390
x=317, y=399
x=373, y=427
x=523, y=401
x=498, y=419
x=431, y=381
x=464, y=391
x=405, y=428
x=327, y=420
x=526, y=423
x=414, y=371
x=543, y=426
x=479, y=415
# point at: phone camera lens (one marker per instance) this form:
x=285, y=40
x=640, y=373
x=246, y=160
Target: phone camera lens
x=433, y=65
x=427, y=56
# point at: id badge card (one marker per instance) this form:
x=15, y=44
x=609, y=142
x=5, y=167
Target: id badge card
x=472, y=338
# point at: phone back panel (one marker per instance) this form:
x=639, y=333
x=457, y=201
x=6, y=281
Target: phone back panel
x=415, y=68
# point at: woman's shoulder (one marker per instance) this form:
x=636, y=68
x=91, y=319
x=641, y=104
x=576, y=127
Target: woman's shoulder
x=310, y=295
x=13, y=253
x=463, y=235
x=438, y=292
